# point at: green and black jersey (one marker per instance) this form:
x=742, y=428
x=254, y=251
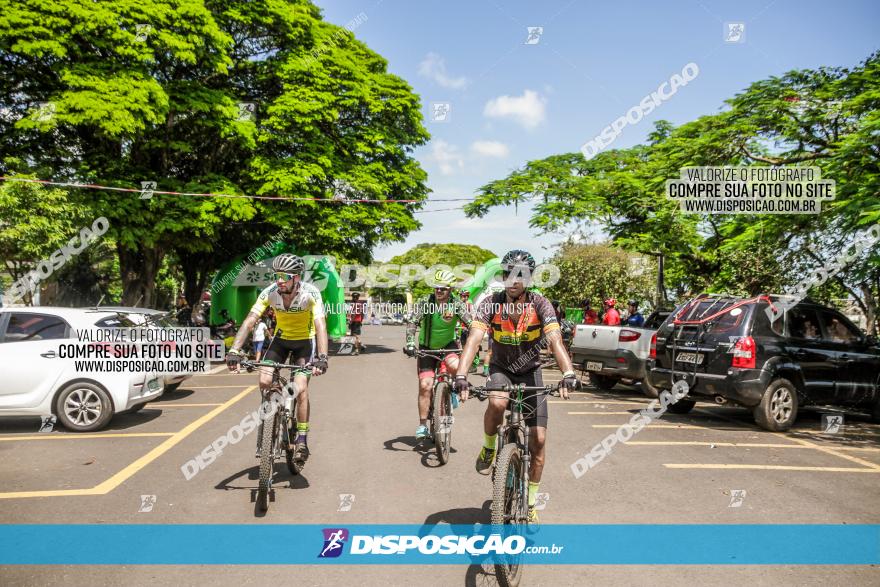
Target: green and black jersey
x=435, y=322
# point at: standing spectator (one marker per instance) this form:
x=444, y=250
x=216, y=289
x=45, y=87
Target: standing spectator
x=465, y=299
x=634, y=318
x=259, y=338
x=590, y=315
x=356, y=320
x=183, y=312
x=611, y=316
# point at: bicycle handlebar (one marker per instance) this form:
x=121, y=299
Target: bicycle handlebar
x=439, y=353
x=486, y=390
x=251, y=365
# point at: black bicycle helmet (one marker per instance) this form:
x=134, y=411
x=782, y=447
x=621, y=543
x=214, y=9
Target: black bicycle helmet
x=518, y=258
x=289, y=264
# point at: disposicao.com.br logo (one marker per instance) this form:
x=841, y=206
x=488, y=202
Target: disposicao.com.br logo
x=477, y=545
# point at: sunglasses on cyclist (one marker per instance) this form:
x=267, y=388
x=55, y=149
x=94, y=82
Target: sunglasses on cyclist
x=506, y=273
x=284, y=276
x=441, y=289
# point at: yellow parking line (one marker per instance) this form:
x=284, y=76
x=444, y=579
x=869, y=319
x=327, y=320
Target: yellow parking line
x=600, y=413
x=833, y=452
x=701, y=443
x=208, y=386
x=656, y=426
x=123, y=475
x=176, y=405
x=772, y=468
x=826, y=450
x=83, y=436
x=627, y=402
x=739, y=444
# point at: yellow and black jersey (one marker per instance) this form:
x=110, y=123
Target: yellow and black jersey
x=296, y=322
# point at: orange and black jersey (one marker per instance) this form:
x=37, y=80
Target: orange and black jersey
x=516, y=344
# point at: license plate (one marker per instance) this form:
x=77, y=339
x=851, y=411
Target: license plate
x=692, y=358
x=153, y=384
x=593, y=366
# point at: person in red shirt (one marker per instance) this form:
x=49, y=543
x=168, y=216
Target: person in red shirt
x=356, y=319
x=612, y=316
x=590, y=315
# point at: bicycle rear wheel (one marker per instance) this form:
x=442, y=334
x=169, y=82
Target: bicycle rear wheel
x=442, y=421
x=267, y=460
x=507, y=501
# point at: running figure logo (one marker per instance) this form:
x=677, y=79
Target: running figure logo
x=832, y=423
x=346, y=500
x=734, y=32
x=334, y=540
x=147, y=503
x=534, y=35
x=737, y=496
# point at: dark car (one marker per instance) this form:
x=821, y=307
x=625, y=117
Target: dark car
x=728, y=349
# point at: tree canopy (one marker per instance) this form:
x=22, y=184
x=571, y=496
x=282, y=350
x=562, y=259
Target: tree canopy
x=826, y=117
x=242, y=98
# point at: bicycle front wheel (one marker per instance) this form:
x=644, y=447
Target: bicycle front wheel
x=267, y=461
x=507, y=505
x=442, y=423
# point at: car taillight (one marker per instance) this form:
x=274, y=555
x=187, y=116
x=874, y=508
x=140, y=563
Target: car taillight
x=654, y=346
x=744, y=353
x=627, y=335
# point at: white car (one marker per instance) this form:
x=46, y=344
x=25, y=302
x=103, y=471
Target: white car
x=36, y=382
x=146, y=317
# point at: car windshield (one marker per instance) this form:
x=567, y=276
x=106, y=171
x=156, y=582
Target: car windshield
x=726, y=318
x=115, y=321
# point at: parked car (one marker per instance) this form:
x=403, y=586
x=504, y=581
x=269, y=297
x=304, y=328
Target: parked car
x=727, y=349
x=613, y=353
x=146, y=318
x=36, y=382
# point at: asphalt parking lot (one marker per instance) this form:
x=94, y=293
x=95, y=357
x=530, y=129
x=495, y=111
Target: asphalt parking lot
x=713, y=465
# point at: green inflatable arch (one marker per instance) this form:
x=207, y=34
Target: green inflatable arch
x=236, y=286
x=483, y=276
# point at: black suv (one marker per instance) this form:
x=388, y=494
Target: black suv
x=728, y=348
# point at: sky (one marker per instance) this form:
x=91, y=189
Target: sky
x=512, y=101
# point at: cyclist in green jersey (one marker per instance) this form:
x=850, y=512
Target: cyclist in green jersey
x=436, y=318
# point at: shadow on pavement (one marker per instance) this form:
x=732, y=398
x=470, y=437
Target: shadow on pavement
x=460, y=516
x=424, y=447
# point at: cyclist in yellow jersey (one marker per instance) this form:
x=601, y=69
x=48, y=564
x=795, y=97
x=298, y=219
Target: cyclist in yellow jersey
x=301, y=326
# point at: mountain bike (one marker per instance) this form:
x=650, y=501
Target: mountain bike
x=440, y=416
x=278, y=429
x=510, y=480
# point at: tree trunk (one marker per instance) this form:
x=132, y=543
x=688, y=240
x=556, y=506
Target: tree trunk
x=138, y=269
x=870, y=308
x=195, y=275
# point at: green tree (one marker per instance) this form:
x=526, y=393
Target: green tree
x=827, y=117
x=596, y=272
x=35, y=221
x=428, y=255
x=153, y=92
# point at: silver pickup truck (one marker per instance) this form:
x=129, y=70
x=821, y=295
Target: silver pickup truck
x=612, y=353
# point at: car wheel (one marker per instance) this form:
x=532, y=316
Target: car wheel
x=778, y=408
x=682, y=406
x=603, y=382
x=83, y=407
x=649, y=390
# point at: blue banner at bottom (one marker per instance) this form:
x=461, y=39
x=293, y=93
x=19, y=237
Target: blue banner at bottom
x=631, y=544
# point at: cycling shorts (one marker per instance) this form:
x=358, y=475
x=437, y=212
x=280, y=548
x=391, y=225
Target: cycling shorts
x=535, y=409
x=426, y=365
x=300, y=351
